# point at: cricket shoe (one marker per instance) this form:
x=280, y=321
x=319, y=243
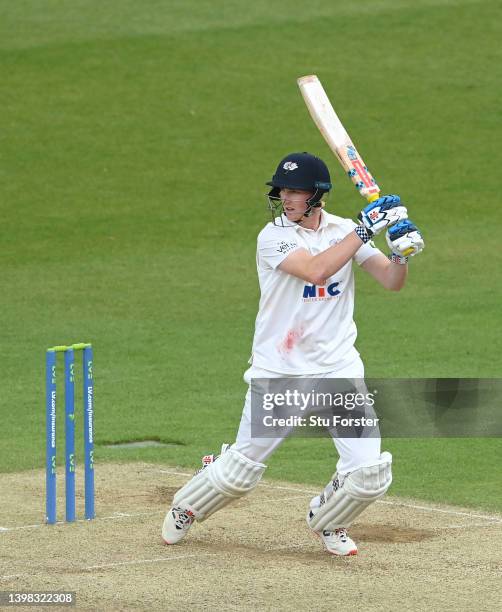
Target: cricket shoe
x=176, y=524
x=337, y=542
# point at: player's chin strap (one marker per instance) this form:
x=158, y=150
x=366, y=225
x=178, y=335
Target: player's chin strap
x=309, y=211
x=315, y=200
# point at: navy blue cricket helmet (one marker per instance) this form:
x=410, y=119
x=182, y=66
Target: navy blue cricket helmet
x=301, y=171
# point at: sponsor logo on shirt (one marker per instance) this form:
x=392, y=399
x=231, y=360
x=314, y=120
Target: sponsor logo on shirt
x=285, y=247
x=314, y=293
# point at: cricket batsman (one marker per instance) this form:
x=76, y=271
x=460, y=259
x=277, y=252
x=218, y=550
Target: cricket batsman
x=305, y=246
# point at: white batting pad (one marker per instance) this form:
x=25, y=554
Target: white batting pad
x=343, y=500
x=229, y=477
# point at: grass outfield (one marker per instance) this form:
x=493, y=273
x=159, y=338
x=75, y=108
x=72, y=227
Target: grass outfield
x=136, y=141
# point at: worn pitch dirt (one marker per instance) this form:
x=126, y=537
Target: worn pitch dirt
x=254, y=555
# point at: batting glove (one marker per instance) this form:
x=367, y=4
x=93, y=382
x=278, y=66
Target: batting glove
x=382, y=213
x=404, y=239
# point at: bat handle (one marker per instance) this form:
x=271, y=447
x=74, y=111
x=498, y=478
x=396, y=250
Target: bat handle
x=373, y=197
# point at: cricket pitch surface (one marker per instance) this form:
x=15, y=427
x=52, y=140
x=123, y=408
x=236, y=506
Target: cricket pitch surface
x=256, y=554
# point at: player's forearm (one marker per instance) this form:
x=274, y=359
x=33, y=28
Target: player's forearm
x=330, y=261
x=395, y=276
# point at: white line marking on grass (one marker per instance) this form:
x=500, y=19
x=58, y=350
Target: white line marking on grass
x=6, y=529
x=494, y=519
x=117, y=564
x=177, y=557
x=117, y=515
x=174, y=472
x=9, y=576
x=468, y=526
x=139, y=561
x=281, y=488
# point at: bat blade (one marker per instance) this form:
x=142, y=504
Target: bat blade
x=330, y=126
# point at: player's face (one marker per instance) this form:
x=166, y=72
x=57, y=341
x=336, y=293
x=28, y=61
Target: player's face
x=294, y=202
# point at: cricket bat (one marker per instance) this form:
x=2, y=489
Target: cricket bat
x=336, y=136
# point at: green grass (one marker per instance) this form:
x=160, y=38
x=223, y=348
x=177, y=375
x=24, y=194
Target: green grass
x=136, y=141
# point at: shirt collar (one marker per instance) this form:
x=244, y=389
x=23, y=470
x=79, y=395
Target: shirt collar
x=326, y=219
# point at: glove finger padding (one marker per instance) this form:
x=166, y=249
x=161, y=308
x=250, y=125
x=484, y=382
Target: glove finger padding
x=404, y=239
x=382, y=213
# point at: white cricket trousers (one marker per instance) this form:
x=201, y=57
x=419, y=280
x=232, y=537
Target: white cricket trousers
x=352, y=451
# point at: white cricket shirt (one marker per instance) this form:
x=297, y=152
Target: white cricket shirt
x=303, y=328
